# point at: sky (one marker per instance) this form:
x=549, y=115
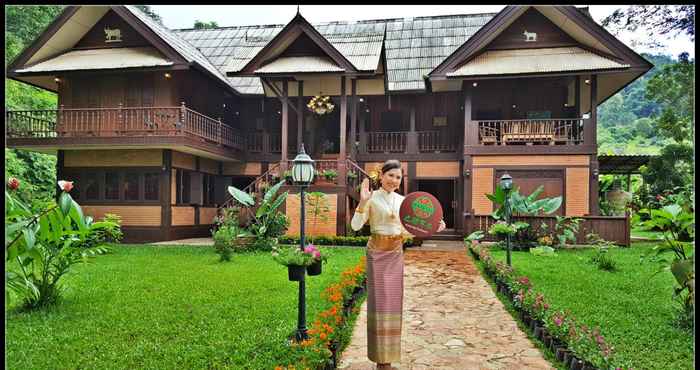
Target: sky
x=184, y=16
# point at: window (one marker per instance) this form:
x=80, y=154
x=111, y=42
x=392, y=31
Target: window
x=391, y=121
x=91, y=186
x=182, y=186
x=131, y=186
x=209, y=188
x=151, y=184
x=112, y=185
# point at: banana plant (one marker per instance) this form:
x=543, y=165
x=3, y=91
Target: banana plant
x=267, y=221
x=523, y=205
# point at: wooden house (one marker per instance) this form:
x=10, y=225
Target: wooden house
x=153, y=124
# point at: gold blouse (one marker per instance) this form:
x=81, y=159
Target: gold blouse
x=382, y=211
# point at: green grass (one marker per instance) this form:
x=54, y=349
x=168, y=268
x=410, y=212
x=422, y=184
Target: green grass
x=646, y=234
x=171, y=307
x=634, y=311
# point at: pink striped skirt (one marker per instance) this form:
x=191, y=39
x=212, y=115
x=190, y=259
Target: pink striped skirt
x=384, y=298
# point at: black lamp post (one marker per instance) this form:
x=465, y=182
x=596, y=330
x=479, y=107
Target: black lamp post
x=507, y=185
x=302, y=175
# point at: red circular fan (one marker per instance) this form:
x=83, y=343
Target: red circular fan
x=420, y=214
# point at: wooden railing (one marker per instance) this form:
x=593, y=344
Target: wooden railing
x=120, y=122
x=382, y=142
x=436, y=141
x=567, y=131
x=613, y=228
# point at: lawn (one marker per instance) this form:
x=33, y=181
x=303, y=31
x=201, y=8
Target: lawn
x=170, y=307
x=646, y=234
x=634, y=311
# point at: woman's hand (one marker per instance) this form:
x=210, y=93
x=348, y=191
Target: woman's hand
x=442, y=226
x=365, y=193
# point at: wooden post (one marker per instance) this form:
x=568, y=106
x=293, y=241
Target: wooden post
x=353, y=120
x=300, y=114
x=412, y=139
x=285, y=122
x=220, y=131
x=183, y=112
x=590, y=139
x=471, y=131
x=342, y=179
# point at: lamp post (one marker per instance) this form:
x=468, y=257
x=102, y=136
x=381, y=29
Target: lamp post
x=507, y=185
x=302, y=175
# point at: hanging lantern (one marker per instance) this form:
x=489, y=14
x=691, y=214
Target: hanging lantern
x=320, y=105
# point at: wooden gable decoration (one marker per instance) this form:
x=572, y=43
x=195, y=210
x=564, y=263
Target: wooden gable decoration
x=111, y=31
x=531, y=30
x=296, y=38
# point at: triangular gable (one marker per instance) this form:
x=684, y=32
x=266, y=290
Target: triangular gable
x=297, y=28
x=571, y=21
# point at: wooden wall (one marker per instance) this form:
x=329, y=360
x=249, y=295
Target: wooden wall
x=244, y=169
x=131, y=215
x=206, y=215
x=548, y=34
x=182, y=216
x=184, y=160
x=113, y=158
x=320, y=228
x=108, y=90
x=95, y=38
x=437, y=169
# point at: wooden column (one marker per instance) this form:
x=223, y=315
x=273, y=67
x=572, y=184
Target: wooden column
x=412, y=138
x=467, y=175
x=285, y=124
x=353, y=119
x=300, y=114
x=590, y=139
x=165, y=194
x=60, y=155
x=342, y=170
x=471, y=131
x=343, y=119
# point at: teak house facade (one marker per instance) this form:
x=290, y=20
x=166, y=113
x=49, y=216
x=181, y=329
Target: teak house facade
x=153, y=124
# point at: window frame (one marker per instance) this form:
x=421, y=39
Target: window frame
x=80, y=173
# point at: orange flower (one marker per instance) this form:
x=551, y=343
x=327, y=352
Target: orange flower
x=334, y=310
x=323, y=336
x=279, y=368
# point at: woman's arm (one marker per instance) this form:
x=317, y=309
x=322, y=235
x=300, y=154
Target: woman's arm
x=362, y=211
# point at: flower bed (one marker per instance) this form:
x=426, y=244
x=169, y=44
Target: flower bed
x=575, y=344
x=331, y=331
x=359, y=241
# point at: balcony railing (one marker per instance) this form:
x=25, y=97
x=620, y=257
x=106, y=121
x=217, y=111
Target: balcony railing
x=567, y=131
x=436, y=141
x=386, y=142
x=120, y=122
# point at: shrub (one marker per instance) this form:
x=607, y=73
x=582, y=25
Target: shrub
x=106, y=231
x=566, y=229
x=229, y=239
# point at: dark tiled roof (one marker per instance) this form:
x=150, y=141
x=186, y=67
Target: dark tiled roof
x=414, y=46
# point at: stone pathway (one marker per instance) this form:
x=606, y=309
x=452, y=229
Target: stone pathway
x=452, y=320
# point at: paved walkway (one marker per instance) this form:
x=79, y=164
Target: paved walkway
x=452, y=319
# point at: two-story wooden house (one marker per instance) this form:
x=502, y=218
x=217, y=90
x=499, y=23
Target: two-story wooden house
x=153, y=123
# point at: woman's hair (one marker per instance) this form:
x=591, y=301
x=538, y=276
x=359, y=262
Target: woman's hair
x=390, y=165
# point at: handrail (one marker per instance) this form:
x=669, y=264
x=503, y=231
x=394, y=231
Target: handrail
x=549, y=131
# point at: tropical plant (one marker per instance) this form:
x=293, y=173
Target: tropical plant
x=673, y=220
x=474, y=237
x=523, y=205
x=228, y=239
x=330, y=174
x=41, y=248
x=566, y=229
x=543, y=250
x=317, y=204
x=106, y=231
x=268, y=223
x=291, y=256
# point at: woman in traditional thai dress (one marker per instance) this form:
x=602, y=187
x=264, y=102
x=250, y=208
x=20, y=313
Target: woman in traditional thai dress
x=384, y=264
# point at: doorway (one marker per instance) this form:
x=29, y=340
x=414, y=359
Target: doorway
x=444, y=191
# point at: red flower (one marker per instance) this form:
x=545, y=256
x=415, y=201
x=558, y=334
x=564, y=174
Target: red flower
x=13, y=183
x=66, y=186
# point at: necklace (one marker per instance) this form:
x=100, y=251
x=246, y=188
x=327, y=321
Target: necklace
x=392, y=211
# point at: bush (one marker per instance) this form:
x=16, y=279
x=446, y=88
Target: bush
x=106, y=231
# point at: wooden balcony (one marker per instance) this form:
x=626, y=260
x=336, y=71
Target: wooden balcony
x=120, y=126
x=567, y=131
x=408, y=142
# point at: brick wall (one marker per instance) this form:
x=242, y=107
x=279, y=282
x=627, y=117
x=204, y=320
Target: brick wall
x=327, y=227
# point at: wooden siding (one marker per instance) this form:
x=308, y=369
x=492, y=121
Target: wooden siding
x=371, y=166
x=577, y=191
x=531, y=160
x=437, y=169
x=182, y=216
x=548, y=34
x=206, y=215
x=320, y=228
x=482, y=183
x=95, y=37
x=207, y=165
x=183, y=160
x=245, y=169
x=131, y=215
x=173, y=186
x=113, y=158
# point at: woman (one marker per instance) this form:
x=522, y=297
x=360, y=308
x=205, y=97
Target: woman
x=384, y=264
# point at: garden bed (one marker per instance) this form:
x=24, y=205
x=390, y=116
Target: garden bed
x=634, y=311
x=177, y=307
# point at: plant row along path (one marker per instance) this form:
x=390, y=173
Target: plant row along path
x=451, y=320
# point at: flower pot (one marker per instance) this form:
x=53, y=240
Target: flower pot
x=576, y=364
x=538, y=332
x=547, y=339
x=562, y=354
x=588, y=366
x=314, y=269
x=296, y=272
x=555, y=344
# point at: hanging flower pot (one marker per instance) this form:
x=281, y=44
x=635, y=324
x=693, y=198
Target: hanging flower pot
x=296, y=272
x=314, y=268
x=320, y=105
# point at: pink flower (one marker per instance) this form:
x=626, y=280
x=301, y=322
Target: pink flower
x=558, y=321
x=66, y=186
x=13, y=183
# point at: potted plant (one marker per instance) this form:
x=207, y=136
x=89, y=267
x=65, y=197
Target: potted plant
x=287, y=175
x=330, y=175
x=295, y=260
x=317, y=260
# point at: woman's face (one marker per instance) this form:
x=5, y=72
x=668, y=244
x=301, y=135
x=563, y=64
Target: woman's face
x=391, y=179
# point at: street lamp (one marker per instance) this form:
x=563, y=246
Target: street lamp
x=507, y=185
x=302, y=175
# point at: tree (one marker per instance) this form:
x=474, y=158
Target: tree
x=672, y=169
x=199, y=25
x=657, y=19
x=146, y=9
x=673, y=89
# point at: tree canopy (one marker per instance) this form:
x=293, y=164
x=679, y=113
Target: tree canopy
x=199, y=25
x=657, y=19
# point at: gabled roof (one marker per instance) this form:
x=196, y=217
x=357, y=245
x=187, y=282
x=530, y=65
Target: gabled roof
x=110, y=58
x=297, y=27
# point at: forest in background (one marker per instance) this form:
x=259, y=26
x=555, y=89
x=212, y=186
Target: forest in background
x=634, y=121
